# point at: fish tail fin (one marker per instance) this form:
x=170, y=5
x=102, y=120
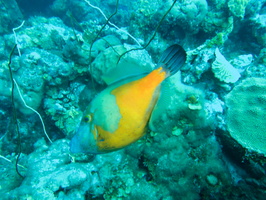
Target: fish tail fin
x=173, y=58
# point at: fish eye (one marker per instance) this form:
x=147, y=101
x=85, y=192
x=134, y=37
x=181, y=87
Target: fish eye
x=87, y=118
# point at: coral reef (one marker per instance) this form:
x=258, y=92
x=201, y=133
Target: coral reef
x=10, y=15
x=189, y=14
x=260, y=28
x=206, y=138
x=107, y=60
x=216, y=19
x=246, y=114
x=62, y=107
x=183, y=108
x=237, y=7
x=119, y=175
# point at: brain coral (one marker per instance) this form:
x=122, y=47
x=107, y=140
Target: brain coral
x=246, y=114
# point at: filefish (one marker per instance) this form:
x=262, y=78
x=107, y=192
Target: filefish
x=119, y=115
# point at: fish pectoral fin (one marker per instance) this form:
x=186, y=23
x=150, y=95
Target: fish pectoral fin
x=160, y=107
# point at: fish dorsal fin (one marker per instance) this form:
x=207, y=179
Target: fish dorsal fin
x=125, y=69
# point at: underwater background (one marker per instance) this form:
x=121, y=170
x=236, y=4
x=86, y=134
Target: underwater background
x=210, y=141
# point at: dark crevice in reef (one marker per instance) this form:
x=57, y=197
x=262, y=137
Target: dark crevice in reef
x=33, y=7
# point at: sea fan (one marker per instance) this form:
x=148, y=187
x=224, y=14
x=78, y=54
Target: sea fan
x=223, y=70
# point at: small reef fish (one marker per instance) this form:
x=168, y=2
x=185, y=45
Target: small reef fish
x=119, y=115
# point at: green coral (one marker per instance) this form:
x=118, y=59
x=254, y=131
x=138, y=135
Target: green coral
x=218, y=40
x=246, y=114
x=216, y=19
x=237, y=7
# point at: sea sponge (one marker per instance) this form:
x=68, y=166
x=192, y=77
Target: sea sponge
x=246, y=114
x=223, y=70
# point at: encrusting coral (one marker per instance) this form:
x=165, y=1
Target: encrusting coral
x=246, y=114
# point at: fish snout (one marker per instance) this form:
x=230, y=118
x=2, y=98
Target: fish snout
x=83, y=141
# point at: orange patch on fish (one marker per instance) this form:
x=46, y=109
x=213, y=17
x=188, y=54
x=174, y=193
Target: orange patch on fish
x=135, y=101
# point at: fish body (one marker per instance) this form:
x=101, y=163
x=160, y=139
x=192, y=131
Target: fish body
x=119, y=115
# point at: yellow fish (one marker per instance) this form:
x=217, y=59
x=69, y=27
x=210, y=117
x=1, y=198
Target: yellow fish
x=118, y=116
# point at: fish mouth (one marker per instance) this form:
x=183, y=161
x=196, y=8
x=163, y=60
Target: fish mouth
x=83, y=141
x=75, y=146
